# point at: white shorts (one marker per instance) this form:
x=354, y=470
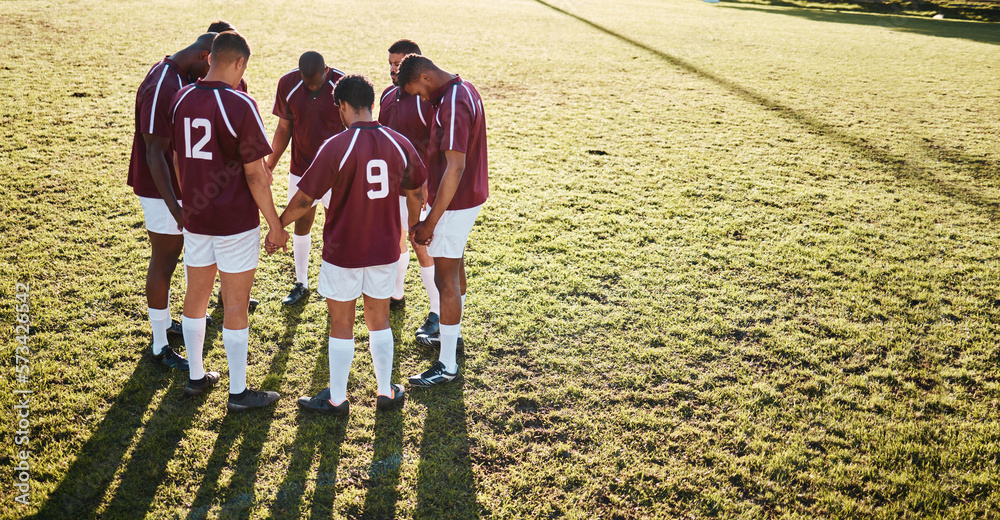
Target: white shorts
x=344, y=284
x=452, y=232
x=158, y=217
x=232, y=253
x=293, y=187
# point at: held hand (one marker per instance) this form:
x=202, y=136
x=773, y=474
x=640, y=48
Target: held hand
x=178, y=216
x=277, y=238
x=421, y=233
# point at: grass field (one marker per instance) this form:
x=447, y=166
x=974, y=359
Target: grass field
x=738, y=261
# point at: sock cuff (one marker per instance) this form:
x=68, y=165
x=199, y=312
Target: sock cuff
x=236, y=333
x=381, y=336
x=194, y=321
x=450, y=330
x=307, y=236
x=428, y=269
x=158, y=314
x=338, y=344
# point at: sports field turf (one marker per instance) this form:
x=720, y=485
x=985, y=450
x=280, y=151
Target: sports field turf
x=738, y=261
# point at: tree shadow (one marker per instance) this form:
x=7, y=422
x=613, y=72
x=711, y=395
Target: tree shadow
x=918, y=170
x=82, y=490
x=446, y=486
x=980, y=32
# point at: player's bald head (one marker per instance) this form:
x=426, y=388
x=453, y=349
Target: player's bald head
x=356, y=91
x=205, y=41
x=220, y=26
x=412, y=67
x=404, y=47
x=230, y=46
x=311, y=64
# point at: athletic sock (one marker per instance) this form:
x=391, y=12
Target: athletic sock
x=159, y=321
x=341, y=356
x=380, y=343
x=461, y=315
x=237, y=343
x=401, y=265
x=433, y=296
x=194, y=342
x=300, y=250
x=449, y=346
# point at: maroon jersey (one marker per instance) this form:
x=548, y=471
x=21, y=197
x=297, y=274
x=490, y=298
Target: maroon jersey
x=460, y=125
x=242, y=86
x=364, y=166
x=408, y=115
x=152, y=107
x=216, y=130
x=315, y=118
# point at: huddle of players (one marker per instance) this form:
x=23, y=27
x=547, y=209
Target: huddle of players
x=199, y=134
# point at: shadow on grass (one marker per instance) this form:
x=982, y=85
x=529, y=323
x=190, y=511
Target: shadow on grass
x=915, y=170
x=446, y=487
x=965, y=30
x=82, y=490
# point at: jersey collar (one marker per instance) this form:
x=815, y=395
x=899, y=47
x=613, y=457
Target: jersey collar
x=366, y=124
x=201, y=83
x=439, y=93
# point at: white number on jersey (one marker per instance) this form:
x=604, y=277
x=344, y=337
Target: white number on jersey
x=378, y=173
x=196, y=152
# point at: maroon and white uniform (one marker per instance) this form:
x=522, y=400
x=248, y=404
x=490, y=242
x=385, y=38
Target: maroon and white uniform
x=217, y=130
x=364, y=166
x=315, y=118
x=152, y=109
x=242, y=86
x=408, y=115
x=459, y=125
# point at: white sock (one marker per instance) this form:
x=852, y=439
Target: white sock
x=449, y=346
x=427, y=275
x=237, y=343
x=401, y=265
x=341, y=356
x=461, y=315
x=159, y=321
x=194, y=342
x=300, y=250
x=380, y=343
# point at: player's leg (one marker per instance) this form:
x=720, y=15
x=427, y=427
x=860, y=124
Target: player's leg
x=398, y=300
x=238, y=256
x=301, y=245
x=200, y=269
x=378, y=285
x=166, y=250
x=430, y=326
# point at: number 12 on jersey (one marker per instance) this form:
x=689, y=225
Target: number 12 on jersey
x=378, y=173
x=196, y=152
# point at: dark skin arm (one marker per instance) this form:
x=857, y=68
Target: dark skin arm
x=423, y=231
x=282, y=136
x=298, y=206
x=156, y=148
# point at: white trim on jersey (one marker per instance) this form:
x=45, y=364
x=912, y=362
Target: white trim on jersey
x=253, y=108
x=454, y=94
x=321, y=147
x=393, y=89
x=402, y=154
x=471, y=100
x=180, y=82
x=186, y=91
x=225, y=117
x=297, y=85
x=156, y=95
x=420, y=112
x=349, y=148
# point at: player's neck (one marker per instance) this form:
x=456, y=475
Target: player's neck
x=229, y=77
x=352, y=117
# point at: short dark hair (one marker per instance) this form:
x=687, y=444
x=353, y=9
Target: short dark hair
x=404, y=47
x=311, y=63
x=220, y=26
x=411, y=67
x=230, y=46
x=356, y=91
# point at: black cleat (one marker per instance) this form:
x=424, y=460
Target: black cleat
x=434, y=341
x=178, y=329
x=395, y=305
x=430, y=326
x=251, y=399
x=436, y=375
x=384, y=402
x=321, y=404
x=171, y=359
x=200, y=386
x=297, y=294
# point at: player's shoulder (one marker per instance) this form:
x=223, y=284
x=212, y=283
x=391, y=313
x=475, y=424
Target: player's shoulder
x=336, y=74
x=388, y=93
x=289, y=79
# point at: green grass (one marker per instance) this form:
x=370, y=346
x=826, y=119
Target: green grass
x=737, y=262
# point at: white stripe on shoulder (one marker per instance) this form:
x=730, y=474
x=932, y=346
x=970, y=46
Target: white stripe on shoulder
x=454, y=94
x=420, y=111
x=180, y=82
x=289, y=73
x=156, y=96
x=225, y=117
x=185, y=91
x=387, y=94
x=253, y=108
x=297, y=85
x=332, y=84
x=399, y=148
x=472, y=100
x=349, y=148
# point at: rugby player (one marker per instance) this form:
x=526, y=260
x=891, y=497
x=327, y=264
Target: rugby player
x=219, y=26
x=151, y=175
x=307, y=116
x=458, y=185
x=410, y=116
x=366, y=167
x=221, y=143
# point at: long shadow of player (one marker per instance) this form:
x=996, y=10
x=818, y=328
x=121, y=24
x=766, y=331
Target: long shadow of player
x=446, y=487
x=82, y=490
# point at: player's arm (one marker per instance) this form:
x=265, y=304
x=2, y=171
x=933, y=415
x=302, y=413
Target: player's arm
x=298, y=206
x=260, y=187
x=156, y=151
x=446, y=191
x=279, y=143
